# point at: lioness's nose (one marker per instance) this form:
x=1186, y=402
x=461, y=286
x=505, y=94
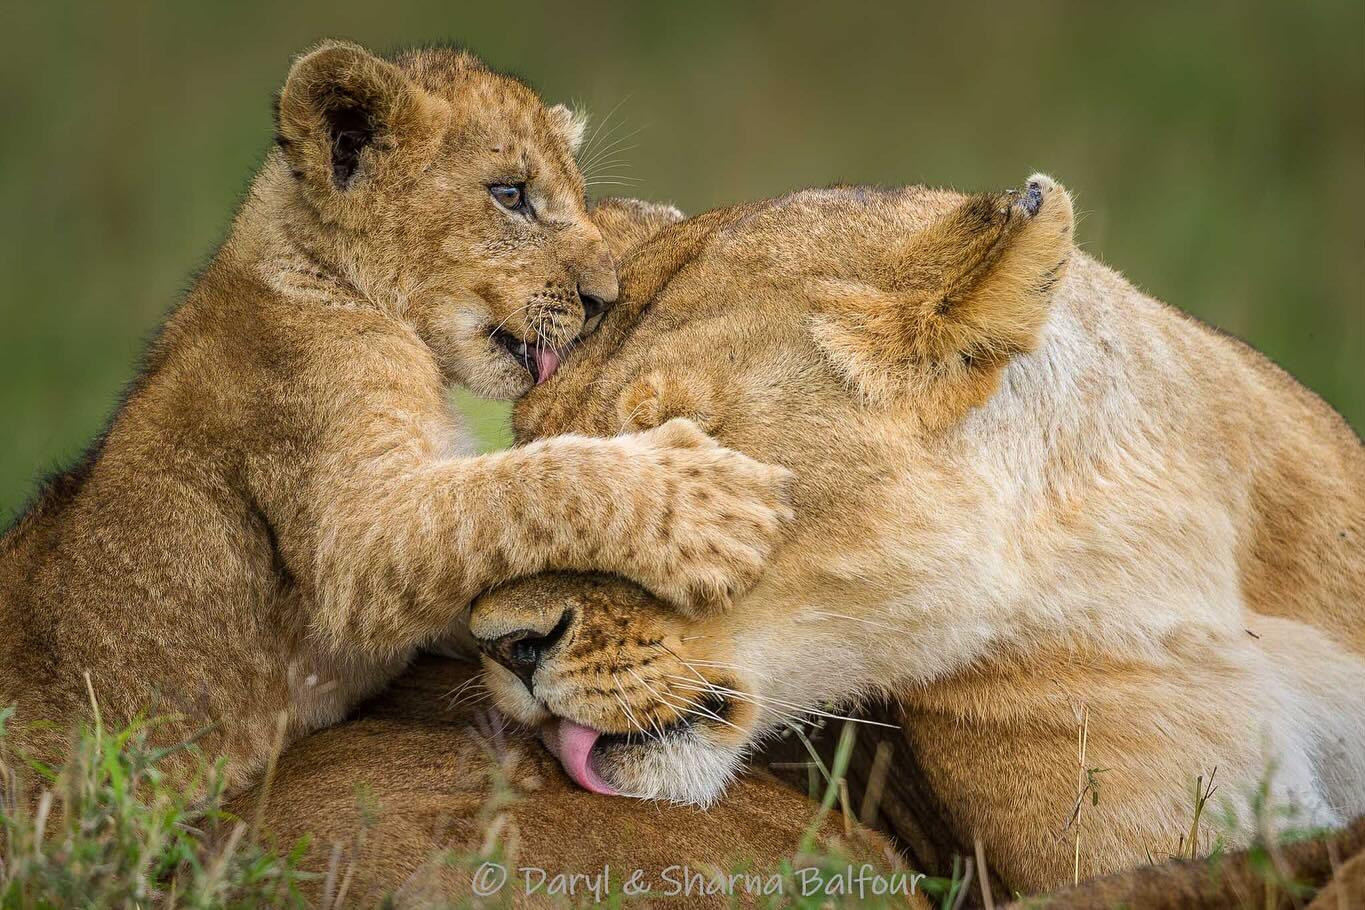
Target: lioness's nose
x=522, y=651
x=600, y=284
x=597, y=274
x=592, y=304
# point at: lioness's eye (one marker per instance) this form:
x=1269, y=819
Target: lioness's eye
x=510, y=196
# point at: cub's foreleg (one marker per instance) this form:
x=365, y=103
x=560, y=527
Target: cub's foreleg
x=391, y=537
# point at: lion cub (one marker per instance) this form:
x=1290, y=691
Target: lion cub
x=284, y=508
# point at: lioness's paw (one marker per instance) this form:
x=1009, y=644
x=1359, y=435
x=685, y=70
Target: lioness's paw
x=719, y=518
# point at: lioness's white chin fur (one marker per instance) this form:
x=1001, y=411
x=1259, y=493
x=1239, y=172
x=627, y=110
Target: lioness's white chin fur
x=684, y=768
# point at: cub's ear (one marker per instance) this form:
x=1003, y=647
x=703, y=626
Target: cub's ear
x=627, y=223
x=571, y=125
x=344, y=113
x=952, y=302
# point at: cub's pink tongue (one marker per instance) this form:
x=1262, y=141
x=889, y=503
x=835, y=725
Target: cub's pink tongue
x=547, y=361
x=572, y=744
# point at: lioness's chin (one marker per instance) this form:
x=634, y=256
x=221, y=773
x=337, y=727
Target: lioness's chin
x=682, y=767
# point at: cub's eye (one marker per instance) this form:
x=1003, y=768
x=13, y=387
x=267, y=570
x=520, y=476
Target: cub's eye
x=508, y=195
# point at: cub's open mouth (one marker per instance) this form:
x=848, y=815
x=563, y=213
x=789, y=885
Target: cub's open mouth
x=539, y=360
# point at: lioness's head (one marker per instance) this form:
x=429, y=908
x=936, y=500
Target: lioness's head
x=848, y=334
x=448, y=194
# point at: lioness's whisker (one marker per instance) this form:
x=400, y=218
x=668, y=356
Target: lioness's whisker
x=469, y=701
x=693, y=670
x=463, y=687
x=704, y=710
x=808, y=710
x=620, y=697
x=711, y=689
x=653, y=691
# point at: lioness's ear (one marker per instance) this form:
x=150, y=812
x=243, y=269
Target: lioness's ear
x=570, y=124
x=627, y=223
x=954, y=301
x=343, y=112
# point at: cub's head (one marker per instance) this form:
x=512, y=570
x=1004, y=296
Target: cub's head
x=448, y=194
x=850, y=335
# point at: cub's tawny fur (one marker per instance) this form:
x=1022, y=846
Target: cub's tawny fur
x=1029, y=499
x=284, y=508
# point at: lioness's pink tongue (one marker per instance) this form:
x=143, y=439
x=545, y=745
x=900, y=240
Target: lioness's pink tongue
x=572, y=744
x=547, y=361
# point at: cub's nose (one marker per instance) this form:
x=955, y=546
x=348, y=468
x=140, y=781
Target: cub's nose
x=522, y=651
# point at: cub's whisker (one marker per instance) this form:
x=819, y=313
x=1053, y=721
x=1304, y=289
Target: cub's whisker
x=587, y=149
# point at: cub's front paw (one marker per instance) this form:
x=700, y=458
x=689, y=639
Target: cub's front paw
x=720, y=516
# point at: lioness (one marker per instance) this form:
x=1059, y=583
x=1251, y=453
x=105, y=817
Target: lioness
x=1037, y=508
x=284, y=507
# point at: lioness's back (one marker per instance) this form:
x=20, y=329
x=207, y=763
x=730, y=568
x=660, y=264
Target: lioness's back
x=1305, y=553
x=1295, y=469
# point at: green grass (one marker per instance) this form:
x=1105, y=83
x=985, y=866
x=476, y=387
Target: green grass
x=1217, y=151
x=110, y=830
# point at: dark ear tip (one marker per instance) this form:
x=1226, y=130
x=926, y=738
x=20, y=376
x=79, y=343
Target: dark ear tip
x=1037, y=191
x=1032, y=199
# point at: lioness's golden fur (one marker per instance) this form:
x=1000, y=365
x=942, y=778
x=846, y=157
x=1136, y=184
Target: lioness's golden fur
x=1031, y=501
x=285, y=508
x=404, y=798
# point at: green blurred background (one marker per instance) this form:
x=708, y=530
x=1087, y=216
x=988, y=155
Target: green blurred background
x=1217, y=151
